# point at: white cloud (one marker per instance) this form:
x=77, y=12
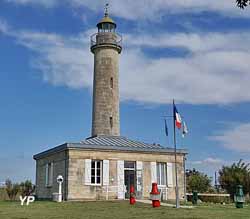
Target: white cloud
x=195, y=42
x=209, y=165
x=62, y=61
x=45, y=3
x=154, y=10
x=4, y=28
x=209, y=161
x=215, y=72
x=203, y=78
x=236, y=138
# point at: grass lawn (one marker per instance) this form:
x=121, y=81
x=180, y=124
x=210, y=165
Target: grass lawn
x=118, y=209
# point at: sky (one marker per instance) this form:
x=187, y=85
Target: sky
x=196, y=52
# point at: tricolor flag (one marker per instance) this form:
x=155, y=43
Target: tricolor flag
x=177, y=118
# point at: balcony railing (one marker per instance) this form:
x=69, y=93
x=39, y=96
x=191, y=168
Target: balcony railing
x=103, y=38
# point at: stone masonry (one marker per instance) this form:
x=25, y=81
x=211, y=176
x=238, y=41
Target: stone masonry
x=70, y=164
x=60, y=167
x=105, y=115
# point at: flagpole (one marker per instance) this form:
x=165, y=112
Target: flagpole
x=175, y=157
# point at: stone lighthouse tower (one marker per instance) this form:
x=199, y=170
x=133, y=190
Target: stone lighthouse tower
x=106, y=47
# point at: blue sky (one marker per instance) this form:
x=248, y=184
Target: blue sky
x=194, y=51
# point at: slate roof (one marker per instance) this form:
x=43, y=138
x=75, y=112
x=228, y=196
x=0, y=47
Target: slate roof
x=111, y=143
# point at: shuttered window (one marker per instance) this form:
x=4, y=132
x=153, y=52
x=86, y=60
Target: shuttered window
x=96, y=172
x=49, y=174
x=161, y=174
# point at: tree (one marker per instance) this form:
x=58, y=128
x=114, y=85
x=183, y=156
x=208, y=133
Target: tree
x=26, y=188
x=11, y=189
x=197, y=181
x=242, y=3
x=236, y=174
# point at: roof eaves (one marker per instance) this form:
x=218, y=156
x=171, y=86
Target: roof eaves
x=56, y=149
x=124, y=148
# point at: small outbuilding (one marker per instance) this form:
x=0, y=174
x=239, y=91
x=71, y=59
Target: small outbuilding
x=104, y=167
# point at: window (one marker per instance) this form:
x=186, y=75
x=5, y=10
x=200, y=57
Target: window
x=129, y=165
x=161, y=173
x=111, y=122
x=111, y=83
x=49, y=175
x=96, y=172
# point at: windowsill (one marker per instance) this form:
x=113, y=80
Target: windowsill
x=95, y=184
x=48, y=186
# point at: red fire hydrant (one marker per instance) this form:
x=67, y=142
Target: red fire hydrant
x=155, y=196
x=132, y=195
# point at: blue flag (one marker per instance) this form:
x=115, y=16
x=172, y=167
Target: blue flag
x=166, y=128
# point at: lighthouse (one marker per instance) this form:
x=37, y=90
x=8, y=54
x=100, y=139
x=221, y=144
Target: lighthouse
x=106, y=47
x=106, y=165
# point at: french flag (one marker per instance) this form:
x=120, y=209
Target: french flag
x=177, y=118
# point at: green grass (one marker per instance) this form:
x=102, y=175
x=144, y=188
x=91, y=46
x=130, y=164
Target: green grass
x=118, y=210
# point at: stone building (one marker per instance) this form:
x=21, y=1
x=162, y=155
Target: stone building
x=105, y=165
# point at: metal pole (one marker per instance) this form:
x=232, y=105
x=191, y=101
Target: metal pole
x=175, y=157
x=185, y=182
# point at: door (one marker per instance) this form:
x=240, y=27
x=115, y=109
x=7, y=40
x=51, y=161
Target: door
x=129, y=176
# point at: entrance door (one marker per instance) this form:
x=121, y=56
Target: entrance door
x=129, y=176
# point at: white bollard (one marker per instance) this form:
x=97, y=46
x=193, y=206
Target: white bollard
x=60, y=181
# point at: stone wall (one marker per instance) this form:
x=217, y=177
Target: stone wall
x=77, y=189
x=59, y=168
x=106, y=92
x=71, y=165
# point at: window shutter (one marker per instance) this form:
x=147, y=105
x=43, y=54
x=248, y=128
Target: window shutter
x=170, y=174
x=51, y=174
x=139, y=167
x=105, y=172
x=120, y=179
x=87, y=171
x=46, y=174
x=153, y=172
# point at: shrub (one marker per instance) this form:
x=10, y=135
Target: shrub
x=26, y=188
x=211, y=199
x=215, y=199
x=236, y=174
x=3, y=194
x=197, y=181
x=12, y=189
